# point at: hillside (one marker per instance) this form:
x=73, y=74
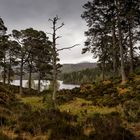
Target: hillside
x=67, y=68
x=78, y=113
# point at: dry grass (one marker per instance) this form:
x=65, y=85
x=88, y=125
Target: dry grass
x=135, y=128
x=11, y=134
x=83, y=107
x=34, y=101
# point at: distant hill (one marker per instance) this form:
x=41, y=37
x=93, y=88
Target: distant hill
x=67, y=68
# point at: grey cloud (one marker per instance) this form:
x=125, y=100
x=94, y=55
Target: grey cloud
x=20, y=9
x=20, y=14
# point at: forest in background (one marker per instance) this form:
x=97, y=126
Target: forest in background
x=89, y=75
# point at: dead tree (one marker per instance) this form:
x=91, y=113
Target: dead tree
x=55, y=51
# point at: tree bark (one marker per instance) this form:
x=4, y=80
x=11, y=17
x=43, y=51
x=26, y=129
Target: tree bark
x=9, y=72
x=121, y=44
x=21, y=76
x=4, y=71
x=54, y=77
x=54, y=62
x=54, y=82
x=114, y=48
x=131, y=50
x=39, y=81
x=103, y=70
x=30, y=78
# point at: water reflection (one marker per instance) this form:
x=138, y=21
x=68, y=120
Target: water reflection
x=44, y=84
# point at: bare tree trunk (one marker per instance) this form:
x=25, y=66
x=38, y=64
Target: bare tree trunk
x=114, y=48
x=39, y=81
x=54, y=82
x=54, y=61
x=120, y=44
x=4, y=71
x=131, y=50
x=55, y=54
x=103, y=70
x=54, y=72
x=21, y=76
x=30, y=78
x=9, y=72
x=9, y=75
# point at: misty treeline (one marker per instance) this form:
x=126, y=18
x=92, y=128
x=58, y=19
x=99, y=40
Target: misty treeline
x=113, y=35
x=27, y=51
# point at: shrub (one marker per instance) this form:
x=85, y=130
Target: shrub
x=65, y=131
x=6, y=97
x=131, y=110
x=109, y=127
x=41, y=121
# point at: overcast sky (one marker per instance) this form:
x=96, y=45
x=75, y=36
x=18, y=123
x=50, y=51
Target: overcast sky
x=22, y=14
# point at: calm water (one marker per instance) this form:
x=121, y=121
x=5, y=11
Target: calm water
x=44, y=84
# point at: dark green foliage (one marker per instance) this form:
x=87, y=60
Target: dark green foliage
x=34, y=55
x=112, y=34
x=80, y=77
